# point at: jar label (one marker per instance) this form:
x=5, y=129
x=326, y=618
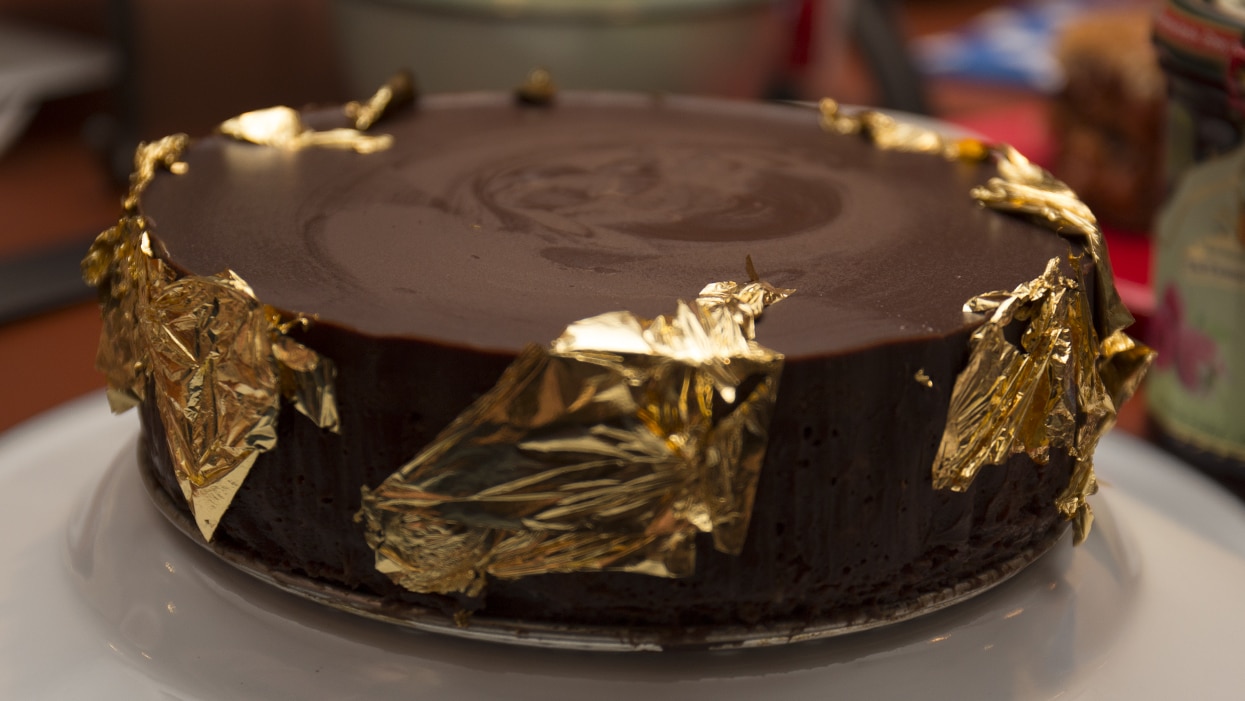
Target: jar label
x=1197, y=385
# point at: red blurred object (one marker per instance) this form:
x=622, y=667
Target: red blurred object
x=802, y=36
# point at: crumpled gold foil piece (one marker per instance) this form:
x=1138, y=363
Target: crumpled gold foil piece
x=163, y=153
x=396, y=92
x=1018, y=399
x=607, y=450
x=1059, y=389
x=1021, y=188
x=283, y=127
x=1025, y=188
x=537, y=88
x=218, y=370
x=124, y=277
x=217, y=361
x=890, y=134
x=1062, y=386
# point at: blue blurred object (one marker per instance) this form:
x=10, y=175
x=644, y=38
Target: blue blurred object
x=1012, y=45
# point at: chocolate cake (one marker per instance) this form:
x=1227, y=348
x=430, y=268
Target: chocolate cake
x=424, y=269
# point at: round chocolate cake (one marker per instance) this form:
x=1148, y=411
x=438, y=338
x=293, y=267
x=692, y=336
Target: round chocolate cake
x=424, y=269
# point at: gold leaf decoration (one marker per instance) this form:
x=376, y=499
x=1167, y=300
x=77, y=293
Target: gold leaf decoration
x=890, y=134
x=537, y=89
x=124, y=276
x=396, y=92
x=1109, y=364
x=283, y=127
x=1074, y=367
x=1017, y=399
x=217, y=359
x=608, y=450
x=1024, y=188
x=1060, y=388
x=216, y=367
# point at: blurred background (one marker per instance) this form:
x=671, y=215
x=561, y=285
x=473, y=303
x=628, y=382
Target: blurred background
x=82, y=81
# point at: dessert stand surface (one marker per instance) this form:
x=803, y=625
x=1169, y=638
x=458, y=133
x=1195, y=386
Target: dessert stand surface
x=101, y=598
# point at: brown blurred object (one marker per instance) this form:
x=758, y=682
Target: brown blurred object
x=84, y=17
x=1107, y=121
x=195, y=64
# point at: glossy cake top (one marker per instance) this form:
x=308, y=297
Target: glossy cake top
x=493, y=225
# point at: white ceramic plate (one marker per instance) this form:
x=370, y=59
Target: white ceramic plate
x=101, y=599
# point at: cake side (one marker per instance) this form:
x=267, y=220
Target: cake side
x=855, y=473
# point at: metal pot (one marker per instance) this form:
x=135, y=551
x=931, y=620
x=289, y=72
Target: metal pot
x=721, y=47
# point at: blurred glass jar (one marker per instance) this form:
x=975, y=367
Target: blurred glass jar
x=719, y=47
x=1196, y=389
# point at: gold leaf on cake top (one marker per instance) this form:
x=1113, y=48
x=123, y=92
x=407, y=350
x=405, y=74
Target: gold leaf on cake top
x=537, y=88
x=398, y=91
x=608, y=450
x=891, y=134
x=1021, y=187
x=148, y=157
x=283, y=127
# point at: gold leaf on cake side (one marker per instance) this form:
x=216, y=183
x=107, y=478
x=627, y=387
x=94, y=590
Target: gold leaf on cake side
x=1016, y=399
x=120, y=267
x=1111, y=364
x=218, y=360
x=1058, y=389
x=608, y=450
x=213, y=359
x=217, y=375
x=1074, y=367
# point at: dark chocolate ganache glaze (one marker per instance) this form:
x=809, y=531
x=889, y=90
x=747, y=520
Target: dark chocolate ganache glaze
x=489, y=226
x=601, y=203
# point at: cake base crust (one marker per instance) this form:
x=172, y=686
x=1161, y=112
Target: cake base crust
x=593, y=637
